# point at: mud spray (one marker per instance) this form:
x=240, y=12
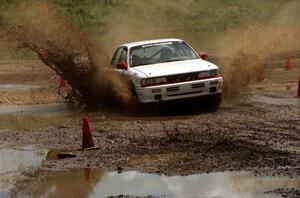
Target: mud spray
x=244, y=53
x=38, y=26
x=248, y=53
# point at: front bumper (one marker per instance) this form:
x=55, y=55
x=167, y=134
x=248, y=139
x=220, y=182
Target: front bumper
x=181, y=90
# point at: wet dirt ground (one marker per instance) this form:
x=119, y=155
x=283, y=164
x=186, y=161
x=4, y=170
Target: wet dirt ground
x=27, y=82
x=259, y=135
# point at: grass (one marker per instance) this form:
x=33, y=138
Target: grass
x=204, y=15
x=85, y=14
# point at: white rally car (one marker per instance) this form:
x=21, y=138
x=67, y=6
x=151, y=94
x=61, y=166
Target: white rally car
x=167, y=69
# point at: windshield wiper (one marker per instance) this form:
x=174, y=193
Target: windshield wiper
x=173, y=60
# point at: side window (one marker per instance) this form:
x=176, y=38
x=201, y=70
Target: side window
x=123, y=56
x=116, y=57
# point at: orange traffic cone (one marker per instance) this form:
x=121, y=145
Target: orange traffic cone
x=261, y=77
x=87, y=139
x=62, y=82
x=288, y=62
x=298, y=94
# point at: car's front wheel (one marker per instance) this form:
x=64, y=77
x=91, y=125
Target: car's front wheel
x=215, y=100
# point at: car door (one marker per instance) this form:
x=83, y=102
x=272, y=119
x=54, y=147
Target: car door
x=120, y=57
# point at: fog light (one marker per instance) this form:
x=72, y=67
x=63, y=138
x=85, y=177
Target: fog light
x=157, y=97
x=213, y=83
x=156, y=90
x=213, y=89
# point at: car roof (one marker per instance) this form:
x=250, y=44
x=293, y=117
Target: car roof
x=130, y=45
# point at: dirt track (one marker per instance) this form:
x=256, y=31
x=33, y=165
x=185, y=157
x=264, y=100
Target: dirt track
x=260, y=134
x=27, y=82
x=253, y=136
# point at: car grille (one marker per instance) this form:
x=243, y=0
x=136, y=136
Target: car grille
x=187, y=93
x=198, y=85
x=170, y=89
x=182, y=77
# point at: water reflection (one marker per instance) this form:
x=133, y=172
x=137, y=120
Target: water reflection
x=72, y=183
x=20, y=159
x=224, y=184
x=95, y=183
x=14, y=162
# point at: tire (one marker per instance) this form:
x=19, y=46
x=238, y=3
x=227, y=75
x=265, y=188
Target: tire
x=135, y=106
x=215, y=100
x=134, y=97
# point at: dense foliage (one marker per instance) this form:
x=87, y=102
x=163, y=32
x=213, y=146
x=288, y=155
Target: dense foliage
x=193, y=14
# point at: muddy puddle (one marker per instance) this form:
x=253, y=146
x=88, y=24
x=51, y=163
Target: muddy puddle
x=25, y=157
x=289, y=100
x=16, y=161
x=98, y=183
x=95, y=182
x=18, y=87
x=30, y=109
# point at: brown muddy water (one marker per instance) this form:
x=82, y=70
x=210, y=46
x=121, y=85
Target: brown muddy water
x=26, y=118
x=99, y=183
x=16, y=161
x=289, y=100
x=18, y=87
x=30, y=109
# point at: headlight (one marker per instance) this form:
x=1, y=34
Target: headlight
x=208, y=73
x=215, y=72
x=153, y=81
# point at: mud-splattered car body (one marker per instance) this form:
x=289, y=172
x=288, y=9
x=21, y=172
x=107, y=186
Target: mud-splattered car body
x=167, y=69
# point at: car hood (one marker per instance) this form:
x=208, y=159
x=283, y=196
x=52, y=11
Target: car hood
x=176, y=67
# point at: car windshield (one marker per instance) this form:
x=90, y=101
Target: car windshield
x=161, y=53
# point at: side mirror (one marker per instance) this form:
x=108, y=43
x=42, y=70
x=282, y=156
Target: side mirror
x=203, y=55
x=122, y=66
